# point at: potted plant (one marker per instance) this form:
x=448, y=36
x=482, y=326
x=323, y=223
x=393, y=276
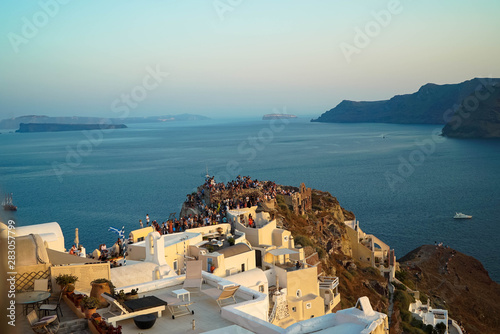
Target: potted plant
x=100, y=286
x=231, y=241
x=133, y=294
x=89, y=305
x=96, y=317
x=77, y=298
x=120, y=295
x=66, y=280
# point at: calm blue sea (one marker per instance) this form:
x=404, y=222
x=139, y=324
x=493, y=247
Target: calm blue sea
x=93, y=183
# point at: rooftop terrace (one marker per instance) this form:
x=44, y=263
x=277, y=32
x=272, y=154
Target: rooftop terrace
x=207, y=315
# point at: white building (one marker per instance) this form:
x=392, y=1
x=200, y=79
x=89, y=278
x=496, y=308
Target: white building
x=428, y=315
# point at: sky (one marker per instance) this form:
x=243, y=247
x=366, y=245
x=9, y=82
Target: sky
x=221, y=58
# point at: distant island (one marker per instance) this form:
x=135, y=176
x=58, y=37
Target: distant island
x=268, y=117
x=428, y=105
x=54, y=127
x=13, y=123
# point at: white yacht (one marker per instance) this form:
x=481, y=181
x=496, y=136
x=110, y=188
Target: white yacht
x=459, y=215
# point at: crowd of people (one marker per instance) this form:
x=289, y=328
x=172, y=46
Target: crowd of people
x=224, y=197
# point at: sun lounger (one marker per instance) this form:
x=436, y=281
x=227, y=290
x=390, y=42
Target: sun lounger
x=131, y=308
x=194, y=277
x=176, y=306
x=221, y=295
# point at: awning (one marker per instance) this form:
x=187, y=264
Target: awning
x=282, y=251
x=59, y=258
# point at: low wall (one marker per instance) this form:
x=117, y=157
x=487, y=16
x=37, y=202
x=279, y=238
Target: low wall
x=251, y=314
x=455, y=325
x=155, y=285
x=86, y=273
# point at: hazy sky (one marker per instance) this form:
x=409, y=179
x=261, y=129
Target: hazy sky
x=238, y=57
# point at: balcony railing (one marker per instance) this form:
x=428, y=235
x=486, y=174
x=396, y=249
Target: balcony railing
x=328, y=282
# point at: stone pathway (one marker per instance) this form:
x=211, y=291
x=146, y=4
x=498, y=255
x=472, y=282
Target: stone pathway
x=391, y=302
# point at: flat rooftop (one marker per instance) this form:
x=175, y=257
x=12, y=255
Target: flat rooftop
x=206, y=314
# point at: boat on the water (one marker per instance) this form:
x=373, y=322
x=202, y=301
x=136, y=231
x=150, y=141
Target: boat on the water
x=8, y=205
x=459, y=215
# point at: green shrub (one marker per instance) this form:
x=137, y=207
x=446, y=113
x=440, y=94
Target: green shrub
x=399, y=286
x=372, y=271
x=428, y=329
x=409, y=284
x=404, y=299
x=416, y=323
x=303, y=240
x=401, y=275
x=65, y=279
x=423, y=298
x=440, y=328
x=409, y=329
x=347, y=275
x=405, y=315
x=90, y=302
x=321, y=252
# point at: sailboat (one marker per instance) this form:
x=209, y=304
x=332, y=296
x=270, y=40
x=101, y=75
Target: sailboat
x=7, y=203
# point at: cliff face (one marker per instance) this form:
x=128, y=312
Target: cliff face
x=478, y=116
x=322, y=230
x=456, y=282
x=427, y=106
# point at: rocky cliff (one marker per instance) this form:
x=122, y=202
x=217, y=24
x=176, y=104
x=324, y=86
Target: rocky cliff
x=456, y=282
x=478, y=116
x=322, y=230
x=429, y=105
x=451, y=279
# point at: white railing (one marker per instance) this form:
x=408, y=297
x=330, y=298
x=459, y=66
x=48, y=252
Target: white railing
x=328, y=282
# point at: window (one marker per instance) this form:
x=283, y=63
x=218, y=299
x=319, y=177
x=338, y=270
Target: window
x=308, y=306
x=261, y=288
x=285, y=238
x=294, y=309
x=176, y=266
x=298, y=293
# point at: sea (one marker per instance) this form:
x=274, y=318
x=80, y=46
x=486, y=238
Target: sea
x=404, y=183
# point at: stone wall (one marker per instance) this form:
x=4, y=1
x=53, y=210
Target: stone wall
x=86, y=273
x=300, y=201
